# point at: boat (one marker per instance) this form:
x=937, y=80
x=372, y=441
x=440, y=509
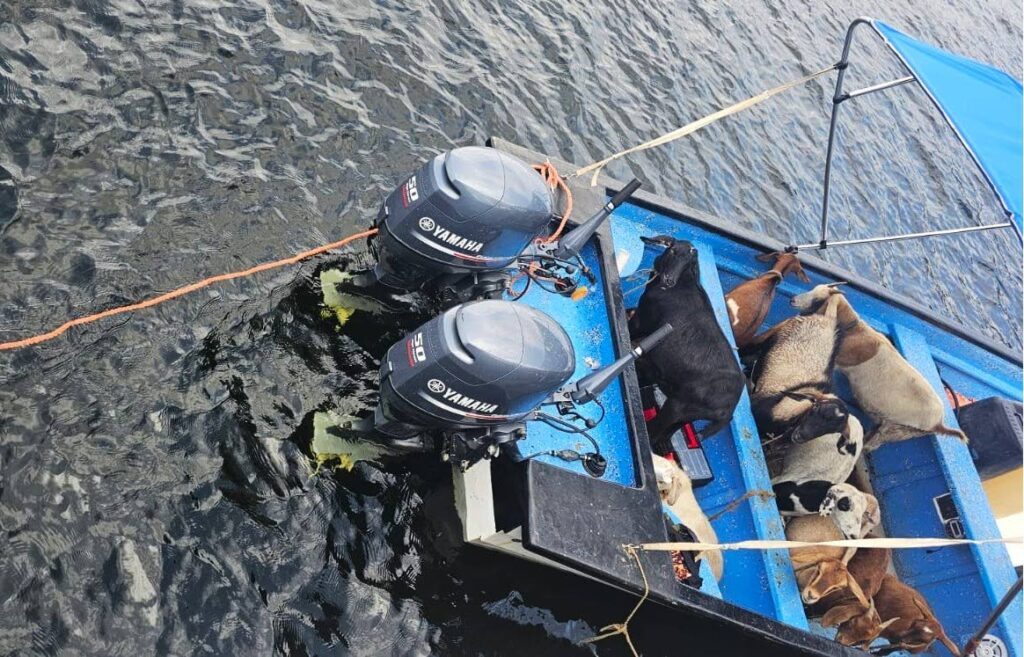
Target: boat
x=552, y=512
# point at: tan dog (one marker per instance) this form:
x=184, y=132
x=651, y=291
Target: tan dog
x=884, y=384
x=821, y=570
x=793, y=376
x=750, y=301
x=911, y=625
x=677, y=491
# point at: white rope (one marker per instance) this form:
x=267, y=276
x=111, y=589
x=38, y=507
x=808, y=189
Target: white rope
x=892, y=543
x=698, y=124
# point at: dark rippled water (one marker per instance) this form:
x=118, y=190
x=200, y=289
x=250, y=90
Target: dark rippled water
x=155, y=490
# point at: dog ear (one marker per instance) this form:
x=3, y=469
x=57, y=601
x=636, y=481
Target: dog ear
x=657, y=240
x=872, y=513
x=801, y=275
x=885, y=624
x=946, y=641
x=858, y=592
x=674, y=490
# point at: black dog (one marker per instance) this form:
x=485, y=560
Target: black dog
x=695, y=367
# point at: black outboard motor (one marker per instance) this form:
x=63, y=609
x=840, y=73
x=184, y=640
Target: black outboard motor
x=468, y=210
x=478, y=369
x=475, y=374
x=467, y=219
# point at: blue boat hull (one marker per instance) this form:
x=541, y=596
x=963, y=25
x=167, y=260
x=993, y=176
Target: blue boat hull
x=963, y=584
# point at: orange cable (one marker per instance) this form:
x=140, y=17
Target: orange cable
x=551, y=177
x=181, y=291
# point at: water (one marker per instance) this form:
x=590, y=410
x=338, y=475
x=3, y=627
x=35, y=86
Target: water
x=155, y=489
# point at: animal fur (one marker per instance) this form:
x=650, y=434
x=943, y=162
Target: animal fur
x=793, y=374
x=749, y=302
x=810, y=469
x=677, y=491
x=885, y=385
x=855, y=513
x=695, y=366
x=857, y=625
x=914, y=627
x=821, y=570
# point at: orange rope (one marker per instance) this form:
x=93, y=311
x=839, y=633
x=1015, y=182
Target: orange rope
x=551, y=177
x=182, y=291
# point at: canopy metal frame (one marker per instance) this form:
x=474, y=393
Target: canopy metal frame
x=838, y=99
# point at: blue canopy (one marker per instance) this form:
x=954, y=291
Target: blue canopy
x=981, y=103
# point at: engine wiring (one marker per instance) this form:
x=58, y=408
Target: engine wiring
x=565, y=427
x=594, y=462
x=541, y=269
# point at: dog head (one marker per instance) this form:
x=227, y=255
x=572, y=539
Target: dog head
x=787, y=263
x=827, y=414
x=829, y=577
x=810, y=301
x=855, y=513
x=857, y=626
x=676, y=262
x=672, y=481
x=922, y=631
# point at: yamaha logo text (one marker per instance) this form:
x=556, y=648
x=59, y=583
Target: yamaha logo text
x=439, y=387
x=442, y=234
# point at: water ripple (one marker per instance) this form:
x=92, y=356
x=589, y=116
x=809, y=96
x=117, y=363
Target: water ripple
x=156, y=492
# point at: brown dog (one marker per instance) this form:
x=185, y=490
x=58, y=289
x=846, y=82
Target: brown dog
x=750, y=301
x=857, y=625
x=821, y=570
x=825, y=578
x=914, y=627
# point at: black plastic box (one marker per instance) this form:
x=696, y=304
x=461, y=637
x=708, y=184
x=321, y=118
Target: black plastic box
x=994, y=426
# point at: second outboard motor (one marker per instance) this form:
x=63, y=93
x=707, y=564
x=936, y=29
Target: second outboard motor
x=474, y=375
x=478, y=369
x=468, y=210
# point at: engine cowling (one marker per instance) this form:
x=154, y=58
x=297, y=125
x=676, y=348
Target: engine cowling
x=470, y=209
x=480, y=364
